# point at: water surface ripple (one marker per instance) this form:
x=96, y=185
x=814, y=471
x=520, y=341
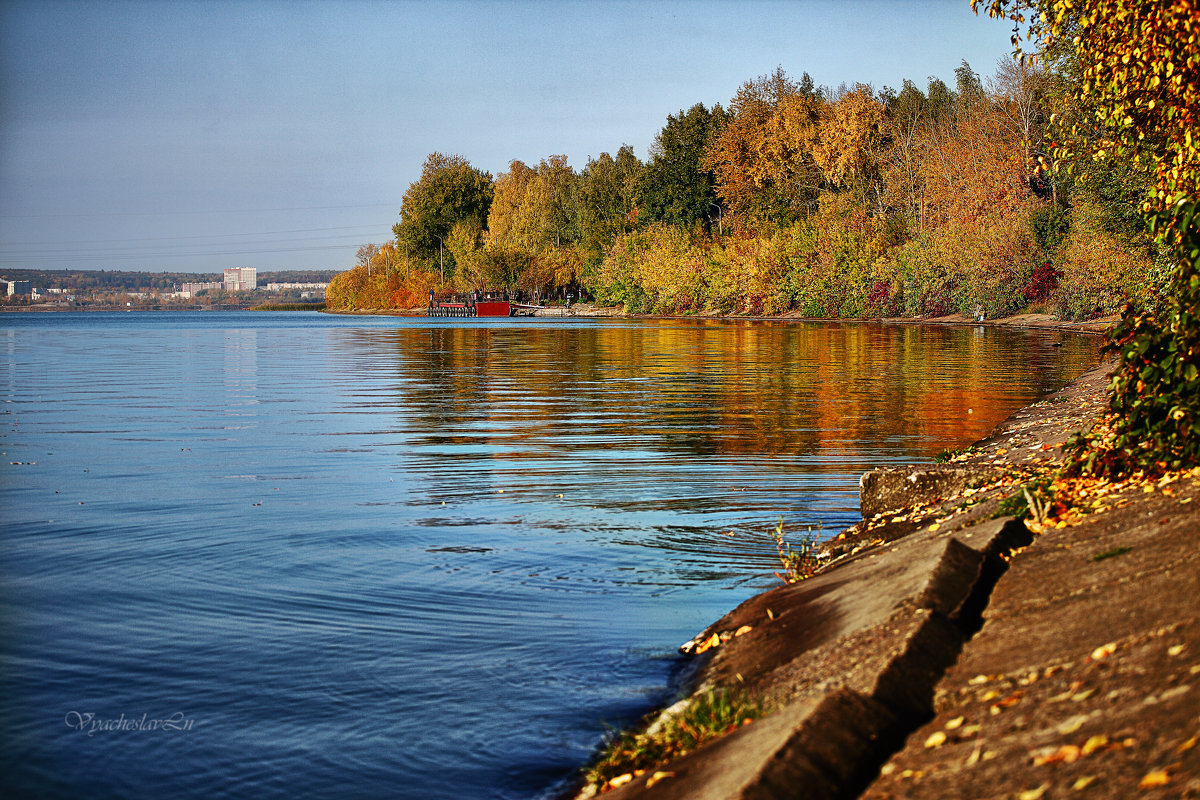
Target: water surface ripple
x=409, y=558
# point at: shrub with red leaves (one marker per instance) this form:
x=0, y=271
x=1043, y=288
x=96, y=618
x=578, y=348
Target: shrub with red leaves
x=1042, y=283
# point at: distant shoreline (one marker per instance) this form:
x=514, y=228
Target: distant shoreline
x=1098, y=326
x=46, y=309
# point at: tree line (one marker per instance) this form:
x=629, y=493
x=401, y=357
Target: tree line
x=848, y=202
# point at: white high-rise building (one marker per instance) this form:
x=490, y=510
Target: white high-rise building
x=240, y=279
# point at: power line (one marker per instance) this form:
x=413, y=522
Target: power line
x=183, y=237
x=217, y=248
x=186, y=213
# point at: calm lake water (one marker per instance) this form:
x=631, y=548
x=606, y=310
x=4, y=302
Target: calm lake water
x=304, y=556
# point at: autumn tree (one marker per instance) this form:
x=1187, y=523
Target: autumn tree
x=940, y=98
x=509, y=194
x=850, y=145
x=531, y=217
x=465, y=244
x=762, y=157
x=1021, y=89
x=543, y=218
x=532, y=207
x=449, y=190
x=907, y=117
x=365, y=253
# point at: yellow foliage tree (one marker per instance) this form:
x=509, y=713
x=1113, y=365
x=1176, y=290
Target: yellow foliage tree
x=849, y=148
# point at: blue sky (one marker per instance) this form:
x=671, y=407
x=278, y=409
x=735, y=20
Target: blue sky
x=192, y=136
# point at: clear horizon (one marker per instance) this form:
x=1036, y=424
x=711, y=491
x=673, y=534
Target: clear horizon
x=194, y=136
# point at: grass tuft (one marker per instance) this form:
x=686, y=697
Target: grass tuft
x=800, y=562
x=707, y=717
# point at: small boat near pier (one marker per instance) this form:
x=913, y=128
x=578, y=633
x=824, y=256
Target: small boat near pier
x=475, y=308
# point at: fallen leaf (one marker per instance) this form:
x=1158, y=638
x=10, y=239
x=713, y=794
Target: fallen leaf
x=1071, y=725
x=1104, y=651
x=743, y=629
x=1033, y=794
x=620, y=780
x=936, y=739
x=1083, y=783
x=954, y=724
x=1176, y=650
x=1093, y=744
x=1067, y=754
x=658, y=776
x=708, y=644
x=1158, y=777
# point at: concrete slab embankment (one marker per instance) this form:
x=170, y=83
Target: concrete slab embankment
x=919, y=663
x=849, y=659
x=1083, y=680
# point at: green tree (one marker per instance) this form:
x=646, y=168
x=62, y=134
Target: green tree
x=543, y=216
x=676, y=187
x=940, y=100
x=969, y=86
x=604, y=201
x=449, y=191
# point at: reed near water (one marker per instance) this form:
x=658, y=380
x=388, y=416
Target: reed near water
x=289, y=307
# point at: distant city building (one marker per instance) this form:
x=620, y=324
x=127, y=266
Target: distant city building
x=241, y=279
x=20, y=287
x=189, y=290
x=284, y=287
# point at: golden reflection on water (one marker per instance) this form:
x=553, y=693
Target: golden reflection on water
x=825, y=392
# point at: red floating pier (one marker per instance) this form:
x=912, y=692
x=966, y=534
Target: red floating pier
x=480, y=308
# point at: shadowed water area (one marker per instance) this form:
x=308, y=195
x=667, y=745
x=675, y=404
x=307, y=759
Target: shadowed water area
x=408, y=558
